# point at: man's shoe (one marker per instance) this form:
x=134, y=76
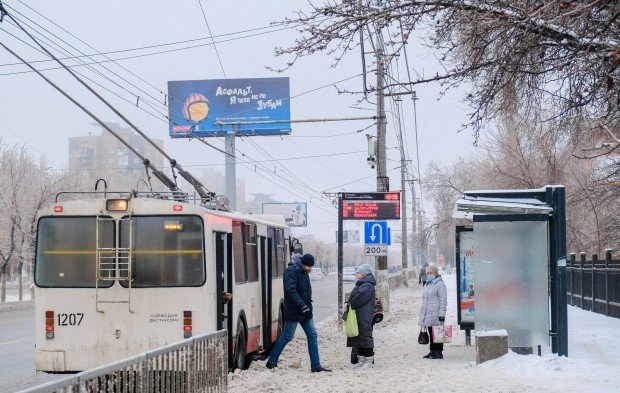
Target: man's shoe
x=437, y=355
x=429, y=355
x=320, y=369
x=271, y=365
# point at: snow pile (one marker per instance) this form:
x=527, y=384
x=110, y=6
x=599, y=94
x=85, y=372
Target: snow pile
x=492, y=333
x=399, y=366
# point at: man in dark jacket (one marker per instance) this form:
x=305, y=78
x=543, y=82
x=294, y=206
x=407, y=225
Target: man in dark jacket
x=298, y=310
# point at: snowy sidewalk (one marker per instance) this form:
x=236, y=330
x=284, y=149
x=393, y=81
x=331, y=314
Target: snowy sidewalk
x=593, y=346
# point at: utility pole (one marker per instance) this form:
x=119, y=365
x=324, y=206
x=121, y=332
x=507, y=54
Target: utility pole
x=383, y=288
x=414, y=233
x=403, y=200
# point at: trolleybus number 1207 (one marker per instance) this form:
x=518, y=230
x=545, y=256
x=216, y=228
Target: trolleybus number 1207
x=70, y=319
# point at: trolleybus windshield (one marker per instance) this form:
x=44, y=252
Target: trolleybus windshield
x=66, y=251
x=167, y=251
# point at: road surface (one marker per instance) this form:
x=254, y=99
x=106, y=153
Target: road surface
x=17, y=336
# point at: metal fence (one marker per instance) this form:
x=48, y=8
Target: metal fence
x=198, y=364
x=594, y=285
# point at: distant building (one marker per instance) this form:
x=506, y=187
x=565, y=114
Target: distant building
x=104, y=156
x=255, y=206
x=215, y=181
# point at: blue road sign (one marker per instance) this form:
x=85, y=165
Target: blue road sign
x=376, y=232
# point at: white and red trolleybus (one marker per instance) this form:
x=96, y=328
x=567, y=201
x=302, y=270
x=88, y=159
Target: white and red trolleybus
x=116, y=277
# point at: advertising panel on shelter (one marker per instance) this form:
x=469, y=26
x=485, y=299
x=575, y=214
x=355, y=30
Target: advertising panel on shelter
x=466, y=277
x=195, y=107
x=295, y=214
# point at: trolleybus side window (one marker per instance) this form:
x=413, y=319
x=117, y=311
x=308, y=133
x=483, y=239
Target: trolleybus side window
x=167, y=251
x=67, y=249
x=251, y=253
x=280, y=257
x=238, y=252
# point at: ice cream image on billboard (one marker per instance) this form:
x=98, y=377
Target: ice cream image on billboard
x=196, y=109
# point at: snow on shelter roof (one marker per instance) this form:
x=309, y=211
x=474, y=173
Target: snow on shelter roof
x=500, y=206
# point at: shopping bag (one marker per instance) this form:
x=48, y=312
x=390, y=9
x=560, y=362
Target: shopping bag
x=442, y=334
x=350, y=328
x=423, y=336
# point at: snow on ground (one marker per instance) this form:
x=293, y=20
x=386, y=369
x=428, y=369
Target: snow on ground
x=15, y=297
x=399, y=366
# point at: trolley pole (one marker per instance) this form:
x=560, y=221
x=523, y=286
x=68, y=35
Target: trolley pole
x=383, y=288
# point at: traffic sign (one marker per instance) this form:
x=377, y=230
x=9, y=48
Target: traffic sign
x=376, y=232
x=375, y=249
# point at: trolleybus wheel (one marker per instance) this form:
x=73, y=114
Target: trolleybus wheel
x=241, y=359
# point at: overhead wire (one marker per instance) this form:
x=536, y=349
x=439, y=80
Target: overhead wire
x=295, y=96
x=270, y=27
x=250, y=139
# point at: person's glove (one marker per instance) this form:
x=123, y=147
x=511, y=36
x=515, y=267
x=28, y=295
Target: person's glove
x=305, y=311
x=442, y=320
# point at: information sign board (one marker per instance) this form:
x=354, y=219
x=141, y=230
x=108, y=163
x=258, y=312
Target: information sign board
x=371, y=206
x=375, y=249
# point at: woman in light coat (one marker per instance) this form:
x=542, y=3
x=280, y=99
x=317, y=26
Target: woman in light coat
x=433, y=310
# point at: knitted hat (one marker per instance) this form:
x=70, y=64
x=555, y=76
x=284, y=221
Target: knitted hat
x=364, y=269
x=307, y=260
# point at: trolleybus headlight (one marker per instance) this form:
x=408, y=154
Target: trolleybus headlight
x=116, y=205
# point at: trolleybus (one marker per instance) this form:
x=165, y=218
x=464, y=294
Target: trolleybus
x=115, y=277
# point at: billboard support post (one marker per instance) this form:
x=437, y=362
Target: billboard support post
x=231, y=169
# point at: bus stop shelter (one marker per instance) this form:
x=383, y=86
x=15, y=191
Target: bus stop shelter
x=515, y=232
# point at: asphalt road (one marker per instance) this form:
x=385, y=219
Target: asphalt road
x=17, y=336
x=325, y=296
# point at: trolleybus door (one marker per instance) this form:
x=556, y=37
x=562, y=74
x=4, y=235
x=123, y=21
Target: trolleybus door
x=223, y=267
x=266, y=289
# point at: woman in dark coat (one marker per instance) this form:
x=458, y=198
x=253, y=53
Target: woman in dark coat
x=362, y=300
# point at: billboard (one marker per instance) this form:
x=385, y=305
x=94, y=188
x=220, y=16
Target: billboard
x=349, y=236
x=295, y=213
x=195, y=106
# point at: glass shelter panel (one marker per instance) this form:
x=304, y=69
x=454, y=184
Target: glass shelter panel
x=511, y=280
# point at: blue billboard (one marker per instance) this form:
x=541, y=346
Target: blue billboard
x=195, y=106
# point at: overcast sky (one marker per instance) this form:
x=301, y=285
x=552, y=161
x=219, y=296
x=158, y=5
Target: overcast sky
x=32, y=112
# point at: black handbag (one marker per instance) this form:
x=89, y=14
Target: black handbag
x=423, y=336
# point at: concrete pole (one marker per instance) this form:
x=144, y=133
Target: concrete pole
x=403, y=201
x=414, y=233
x=231, y=169
x=383, y=288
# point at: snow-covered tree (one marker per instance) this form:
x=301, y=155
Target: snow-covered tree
x=557, y=55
